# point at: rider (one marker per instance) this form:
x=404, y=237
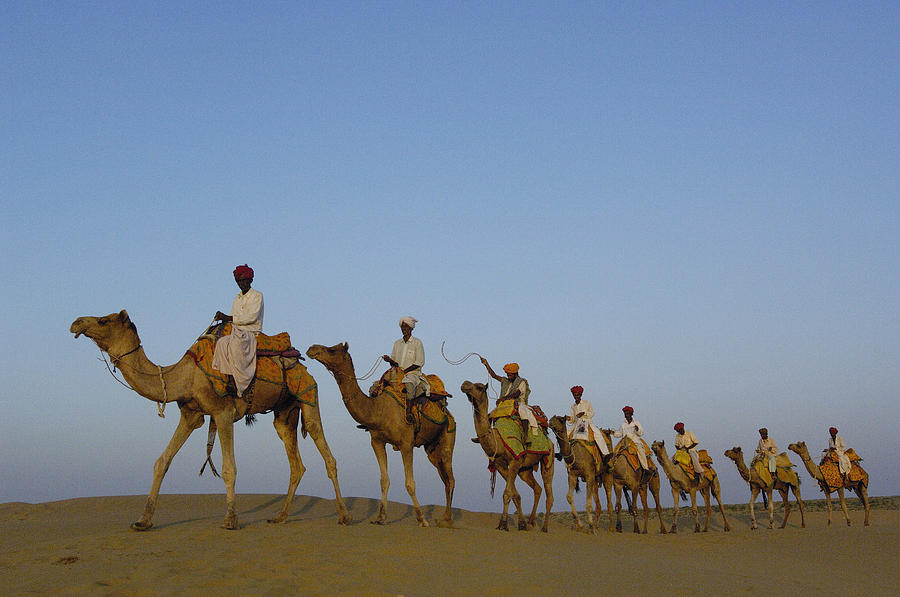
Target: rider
x=514, y=387
x=408, y=354
x=685, y=440
x=633, y=430
x=235, y=354
x=836, y=443
x=581, y=415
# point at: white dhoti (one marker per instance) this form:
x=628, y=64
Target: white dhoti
x=771, y=462
x=526, y=415
x=580, y=431
x=416, y=383
x=695, y=460
x=843, y=463
x=236, y=356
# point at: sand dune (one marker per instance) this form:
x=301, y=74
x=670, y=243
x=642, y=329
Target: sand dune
x=85, y=546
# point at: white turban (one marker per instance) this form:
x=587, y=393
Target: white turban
x=410, y=321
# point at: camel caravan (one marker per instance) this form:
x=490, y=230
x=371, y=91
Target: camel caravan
x=234, y=371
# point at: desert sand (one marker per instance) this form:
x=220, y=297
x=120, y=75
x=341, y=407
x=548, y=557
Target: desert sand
x=85, y=546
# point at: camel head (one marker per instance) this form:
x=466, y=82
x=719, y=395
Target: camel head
x=107, y=330
x=734, y=453
x=558, y=425
x=799, y=448
x=476, y=393
x=330, y=356
x=659, y=448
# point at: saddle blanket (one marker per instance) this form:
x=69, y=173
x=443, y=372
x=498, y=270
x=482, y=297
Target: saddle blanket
x=431, y=410
x=393, y=377
x=832, y=473
x=269, y=370
x=628, y=450
x=784, y=470
x=508, y=408
x=510, y=430
x=683, y=459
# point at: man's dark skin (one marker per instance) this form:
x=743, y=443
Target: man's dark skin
x=510, y=376
x=244, y=285
x=406, y=330
x=692, y=446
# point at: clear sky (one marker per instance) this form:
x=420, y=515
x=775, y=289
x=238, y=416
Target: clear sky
x=691, y=208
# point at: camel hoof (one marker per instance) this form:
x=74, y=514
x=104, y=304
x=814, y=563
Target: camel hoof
x=377, y=521
x=848, y=523
x=345, y=518
x=697, y=530
x=674, y=529
x=544, y=530
x=445, y=524
x=727, y=528
x=423, y=523
x=522, y=526
x=141, y=526
x=277, y=520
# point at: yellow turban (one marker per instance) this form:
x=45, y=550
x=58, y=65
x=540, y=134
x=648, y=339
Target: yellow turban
x=511, y=368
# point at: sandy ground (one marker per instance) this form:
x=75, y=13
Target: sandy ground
x=85, y=546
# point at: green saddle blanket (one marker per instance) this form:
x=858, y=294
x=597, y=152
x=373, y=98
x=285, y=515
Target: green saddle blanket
x=510, y=430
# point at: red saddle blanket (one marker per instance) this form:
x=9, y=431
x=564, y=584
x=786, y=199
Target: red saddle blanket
x=269, y=369
x=831, y=471
x=627, y=449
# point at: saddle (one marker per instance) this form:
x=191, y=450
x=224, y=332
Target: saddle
x=831, y=472
x=627, y=449
x=784, y=469
x=683, y=459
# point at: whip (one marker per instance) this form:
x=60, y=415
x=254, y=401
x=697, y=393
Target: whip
x=462, y=360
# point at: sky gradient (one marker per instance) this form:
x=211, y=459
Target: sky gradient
x=691, y=208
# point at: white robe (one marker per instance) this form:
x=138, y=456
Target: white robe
x=837, y=444
x=634, y=431
x=682, y=441
x=582, y=415
x=406, y=354
x=235, y=354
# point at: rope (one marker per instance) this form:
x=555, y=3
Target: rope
x=371, y=371
x=490, y=383
x=160, y=406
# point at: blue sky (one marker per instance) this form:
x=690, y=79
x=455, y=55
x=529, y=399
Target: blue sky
x=691, y=208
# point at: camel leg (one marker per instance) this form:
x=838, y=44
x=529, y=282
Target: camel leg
x=754, y=493
x=441, y=456
x=619, y=490
x=675, y=497
x=716, y=491
x=547, y=477
x=607, y=487
x=285, y=423
x=312, y=423
x=843, y=505
x=592, y=499
x=828, y=508
x=796, y=491
x=189, y=421
x=527, y=475
x=708, y=500
x=862, y=493
x=654, y=489
x=509, y=474
x=643, y=491
x=407, y=453
x=381, y=455
x=696, y=513
x=772, y=510
x=570, y=497
x=787, y=506
x=225, y=424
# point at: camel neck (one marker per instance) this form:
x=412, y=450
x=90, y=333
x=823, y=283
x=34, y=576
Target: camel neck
x=159, y=384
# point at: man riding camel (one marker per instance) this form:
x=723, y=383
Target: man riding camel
x=836, y=444
x=235, y=354
x=685, y=440
x=581, y=415
x=408, y=354
x=766, y=450
x=632, y=429
x=514, y=387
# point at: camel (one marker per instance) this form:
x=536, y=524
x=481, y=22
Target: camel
x=581, y=464
x=510, y=467
x=185, y=384
x=858, y=487
x=385, y=420
x=680, y=482
x=757, y=485
x=637, y=482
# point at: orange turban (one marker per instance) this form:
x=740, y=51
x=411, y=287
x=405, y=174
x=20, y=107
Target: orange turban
x=511, y=368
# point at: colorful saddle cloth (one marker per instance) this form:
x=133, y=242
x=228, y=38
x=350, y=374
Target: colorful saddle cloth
x=627, y=449
x=784, y=468
x=831, y=471
x=393, y=378
x=509, y=408
x=515, y=442
x=683, y=459
x=431, y=410
x=588, y=443
x=269, y=369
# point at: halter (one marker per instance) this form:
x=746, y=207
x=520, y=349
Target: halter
x=160, y=405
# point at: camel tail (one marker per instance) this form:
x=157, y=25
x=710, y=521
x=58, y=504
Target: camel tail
x=577, y=485
x=765, y=500
x=628, y=501
x=493, y=481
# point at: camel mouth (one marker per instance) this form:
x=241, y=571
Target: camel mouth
x=77, y=327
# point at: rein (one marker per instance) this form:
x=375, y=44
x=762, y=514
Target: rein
x=160, y=404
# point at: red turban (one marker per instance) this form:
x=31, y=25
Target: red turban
x=242, y=272
x=578, y=390
x=679, y=426
x=628, y=409
x=832, y=430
